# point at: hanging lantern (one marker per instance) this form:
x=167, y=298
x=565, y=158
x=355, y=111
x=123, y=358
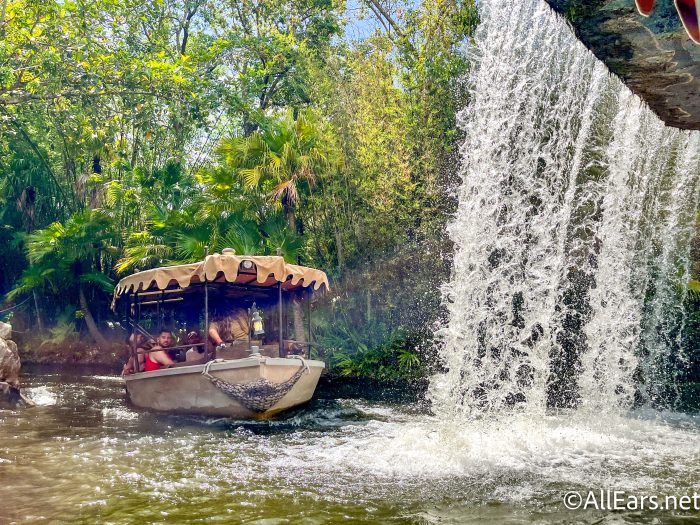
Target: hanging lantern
x=256, y=322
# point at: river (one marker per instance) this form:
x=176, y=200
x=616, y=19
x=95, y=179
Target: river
x=83, y=455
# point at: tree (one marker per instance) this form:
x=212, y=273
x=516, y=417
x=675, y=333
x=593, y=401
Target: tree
x=283, y=159
x=182, y=214
x=72, y=258
x=274, y=42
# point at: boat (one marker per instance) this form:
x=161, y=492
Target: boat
x=256, y=377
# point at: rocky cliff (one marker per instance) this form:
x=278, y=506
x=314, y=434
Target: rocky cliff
x=653, y=56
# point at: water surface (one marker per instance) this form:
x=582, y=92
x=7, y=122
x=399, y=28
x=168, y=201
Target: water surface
x=83, y=455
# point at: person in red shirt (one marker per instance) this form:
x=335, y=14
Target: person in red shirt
x=158, y=358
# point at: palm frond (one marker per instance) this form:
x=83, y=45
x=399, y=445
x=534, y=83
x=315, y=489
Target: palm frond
x=33, y=278
x=251, y=176
x=278, y=236
x=144, y=250
x=98, y=279
x=190, y=246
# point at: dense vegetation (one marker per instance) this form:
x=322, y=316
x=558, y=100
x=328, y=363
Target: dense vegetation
x=134, y=134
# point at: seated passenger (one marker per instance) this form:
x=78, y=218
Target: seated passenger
x=141, y=344
x=196, y=353
x=229, y=327
x=158, y=357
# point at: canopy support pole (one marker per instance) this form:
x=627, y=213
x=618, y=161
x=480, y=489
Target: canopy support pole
x=206, y=309
x=130, y=338
x=137, y=314
x=308, y=316
x=283, y=352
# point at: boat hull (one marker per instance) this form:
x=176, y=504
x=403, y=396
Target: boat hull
x=184, y=390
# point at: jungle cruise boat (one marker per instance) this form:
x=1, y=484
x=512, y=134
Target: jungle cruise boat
x=257, y=375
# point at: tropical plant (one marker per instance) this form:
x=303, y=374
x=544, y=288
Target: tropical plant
x=72, y=258
x=369, y=349
x=282, y=159
x=64, y=328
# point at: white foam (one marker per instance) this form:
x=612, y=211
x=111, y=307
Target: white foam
x=41, y=395
x=522, y=455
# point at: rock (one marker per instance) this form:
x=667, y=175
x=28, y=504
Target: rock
x=654, y=56
x=10, y=397
x=9, y=363
x=5, y=330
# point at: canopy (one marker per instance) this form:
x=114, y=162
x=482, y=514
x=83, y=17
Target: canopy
x=265, y=271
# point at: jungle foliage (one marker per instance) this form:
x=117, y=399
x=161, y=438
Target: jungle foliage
x=134, y=134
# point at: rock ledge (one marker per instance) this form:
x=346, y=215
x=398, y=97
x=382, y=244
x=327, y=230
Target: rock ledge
x=653, y=56
x=10, y=396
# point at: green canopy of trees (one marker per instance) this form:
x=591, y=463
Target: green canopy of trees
x=134, y=134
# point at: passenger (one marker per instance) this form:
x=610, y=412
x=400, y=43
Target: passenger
x=142, y=344
x=158, y=357
x=177, y=354
x=229, y=327
x=195, y=353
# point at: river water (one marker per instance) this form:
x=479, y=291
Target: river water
x=83, y=455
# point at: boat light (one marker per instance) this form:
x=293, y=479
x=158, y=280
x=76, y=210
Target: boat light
x=247, y=264
x=257, y=322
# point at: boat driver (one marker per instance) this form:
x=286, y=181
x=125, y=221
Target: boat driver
x=229, y=327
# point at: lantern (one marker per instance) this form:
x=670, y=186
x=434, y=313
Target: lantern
x=256, y=322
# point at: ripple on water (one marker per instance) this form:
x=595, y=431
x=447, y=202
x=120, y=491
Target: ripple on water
x=369, y=461
x=119, y=413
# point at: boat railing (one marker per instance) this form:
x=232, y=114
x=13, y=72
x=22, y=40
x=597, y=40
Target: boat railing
x=178, y=347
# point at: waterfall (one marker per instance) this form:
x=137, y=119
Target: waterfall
x=572, y=232
x=672, y=228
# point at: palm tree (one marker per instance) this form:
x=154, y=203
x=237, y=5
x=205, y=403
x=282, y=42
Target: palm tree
x=72, y=256
x=282, y=159
x=32, y=280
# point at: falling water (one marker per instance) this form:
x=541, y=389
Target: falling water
x=669, y=270
x=572, y=232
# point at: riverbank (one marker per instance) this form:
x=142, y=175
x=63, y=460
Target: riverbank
x=70, y=352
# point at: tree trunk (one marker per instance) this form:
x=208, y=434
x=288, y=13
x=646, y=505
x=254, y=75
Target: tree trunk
x=90, y=321
x=249, y=127
x=369, y=306
x=38, y=312
x=339, y=249
x=291, y=219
